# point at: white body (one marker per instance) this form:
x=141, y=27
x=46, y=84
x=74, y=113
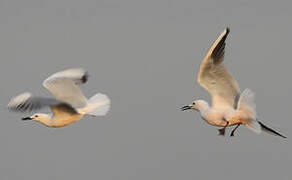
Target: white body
x=245, y=113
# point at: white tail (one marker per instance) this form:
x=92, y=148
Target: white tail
x=254, y=126
x=246, y=104
x=98, y=105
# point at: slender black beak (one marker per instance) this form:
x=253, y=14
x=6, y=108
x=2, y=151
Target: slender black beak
x=185, y=108
x=26, y=118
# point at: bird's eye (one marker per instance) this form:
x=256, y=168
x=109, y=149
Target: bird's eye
x=36, y=115
x=194, y=103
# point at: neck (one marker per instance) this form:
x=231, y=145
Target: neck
x=46, y=120
x=203, y=106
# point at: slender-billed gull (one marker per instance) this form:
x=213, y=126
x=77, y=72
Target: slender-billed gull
x=69, y=104
x=229, y=107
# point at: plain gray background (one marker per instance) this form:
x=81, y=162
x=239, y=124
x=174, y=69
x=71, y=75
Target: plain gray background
x=145, y=55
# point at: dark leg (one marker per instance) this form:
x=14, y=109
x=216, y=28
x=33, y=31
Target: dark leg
x=232, y=132
x=222, y=130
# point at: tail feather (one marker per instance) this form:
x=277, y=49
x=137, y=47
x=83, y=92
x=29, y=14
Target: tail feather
x=269, y=130
x=254, y=126
x=98, y=105
x=247, y=104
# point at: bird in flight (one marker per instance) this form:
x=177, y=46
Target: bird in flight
x=229, y=106
x=69, y=104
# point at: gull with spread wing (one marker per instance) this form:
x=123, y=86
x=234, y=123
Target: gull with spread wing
x=229, y=106
x=69, y=104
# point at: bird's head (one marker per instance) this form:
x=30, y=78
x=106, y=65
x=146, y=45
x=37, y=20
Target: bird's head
x=37, y=117
x=197, y=105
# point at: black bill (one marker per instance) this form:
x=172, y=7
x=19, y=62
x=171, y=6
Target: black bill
x=26, y=118
x=185, y=108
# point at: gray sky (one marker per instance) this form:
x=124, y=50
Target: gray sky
x=144, y=55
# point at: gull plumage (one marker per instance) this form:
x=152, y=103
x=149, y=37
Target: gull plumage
x=229, y=106
x=69, y=104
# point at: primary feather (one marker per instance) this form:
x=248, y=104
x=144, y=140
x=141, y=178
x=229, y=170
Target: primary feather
x=214, y=77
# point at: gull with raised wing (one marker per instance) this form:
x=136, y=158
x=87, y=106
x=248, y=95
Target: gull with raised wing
x=69, y=104
x=229, y=106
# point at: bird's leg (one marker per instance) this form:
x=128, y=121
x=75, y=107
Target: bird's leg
x=222, y=130
x=232, y=132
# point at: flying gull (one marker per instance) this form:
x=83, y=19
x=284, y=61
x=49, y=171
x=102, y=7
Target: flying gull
x=229, y=106
x=69, y=104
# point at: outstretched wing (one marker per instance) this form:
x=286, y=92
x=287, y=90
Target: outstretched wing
x=78, y=75
x=28, y=102
x=63, y=85
x=214, y=77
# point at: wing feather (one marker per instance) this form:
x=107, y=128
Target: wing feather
x=214, y=77
x=28, y=102
x=78, y=75
x=64, y=86
x=67, y=91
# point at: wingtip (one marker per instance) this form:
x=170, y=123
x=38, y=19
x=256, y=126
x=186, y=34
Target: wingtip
x=84, y=78
x=217, y=49
x=227, y=29
x=19, y=99
x=226, y=32
x=17, y=103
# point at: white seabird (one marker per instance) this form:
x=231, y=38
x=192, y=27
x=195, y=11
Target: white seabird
x=69, y=104
x=229, y=107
